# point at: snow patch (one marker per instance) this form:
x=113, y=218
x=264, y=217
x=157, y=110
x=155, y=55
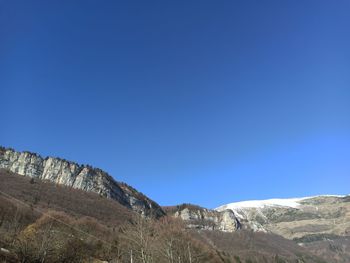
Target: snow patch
x=292, y=202
x=287, y=202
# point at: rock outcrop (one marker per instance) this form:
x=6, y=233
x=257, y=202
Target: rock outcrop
x=77, y=176
x=205, y=219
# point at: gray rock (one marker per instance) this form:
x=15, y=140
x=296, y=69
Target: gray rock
x=77, y=176
x=206, y=219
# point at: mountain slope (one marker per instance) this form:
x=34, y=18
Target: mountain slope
x=107, y=219
x=44, y=196
x=77, y=176
x=45, y=222
x=248, y=246
x=297, y=217
x=320, y=224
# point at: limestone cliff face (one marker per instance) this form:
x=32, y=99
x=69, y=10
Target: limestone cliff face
x=77, y=176
x=206, y=219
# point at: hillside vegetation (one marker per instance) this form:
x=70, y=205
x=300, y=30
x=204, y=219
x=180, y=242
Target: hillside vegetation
x=44, y=222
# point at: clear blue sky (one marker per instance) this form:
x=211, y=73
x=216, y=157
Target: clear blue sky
x=206, y=102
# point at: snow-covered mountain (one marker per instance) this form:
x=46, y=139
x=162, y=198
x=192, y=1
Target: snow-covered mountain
x=286, y=202
x=320, y=224
x=295, y=217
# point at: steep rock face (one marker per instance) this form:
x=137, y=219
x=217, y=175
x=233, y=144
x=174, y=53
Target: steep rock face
x=77, y=176
x=205, y=219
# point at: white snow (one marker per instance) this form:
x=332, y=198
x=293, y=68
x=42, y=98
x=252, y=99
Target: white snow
x=292, y=202
x=287, y=202
x=248, y=210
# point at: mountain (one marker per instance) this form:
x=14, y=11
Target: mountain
x=307, y=229
x=83, y=177
x=70, y=220
x=319, y=223
x=88, y=215
x=296, y=217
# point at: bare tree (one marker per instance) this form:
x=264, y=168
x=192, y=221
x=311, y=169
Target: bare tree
x=140, y=237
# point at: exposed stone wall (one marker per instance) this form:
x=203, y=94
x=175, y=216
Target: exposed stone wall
x=76, y=176
x=206, y=219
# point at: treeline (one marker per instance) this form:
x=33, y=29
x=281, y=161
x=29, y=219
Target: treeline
x=57, y=237
x=43, y=222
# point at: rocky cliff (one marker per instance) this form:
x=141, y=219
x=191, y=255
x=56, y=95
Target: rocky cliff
x=77, y=176
x=205, y=219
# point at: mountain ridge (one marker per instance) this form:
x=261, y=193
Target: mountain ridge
x=318, y=224
x=295, y=217
x=289, y=202
x=84, y=177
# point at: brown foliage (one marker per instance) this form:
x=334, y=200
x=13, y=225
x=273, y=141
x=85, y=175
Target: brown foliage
x=60, y=224
x=48, y=196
